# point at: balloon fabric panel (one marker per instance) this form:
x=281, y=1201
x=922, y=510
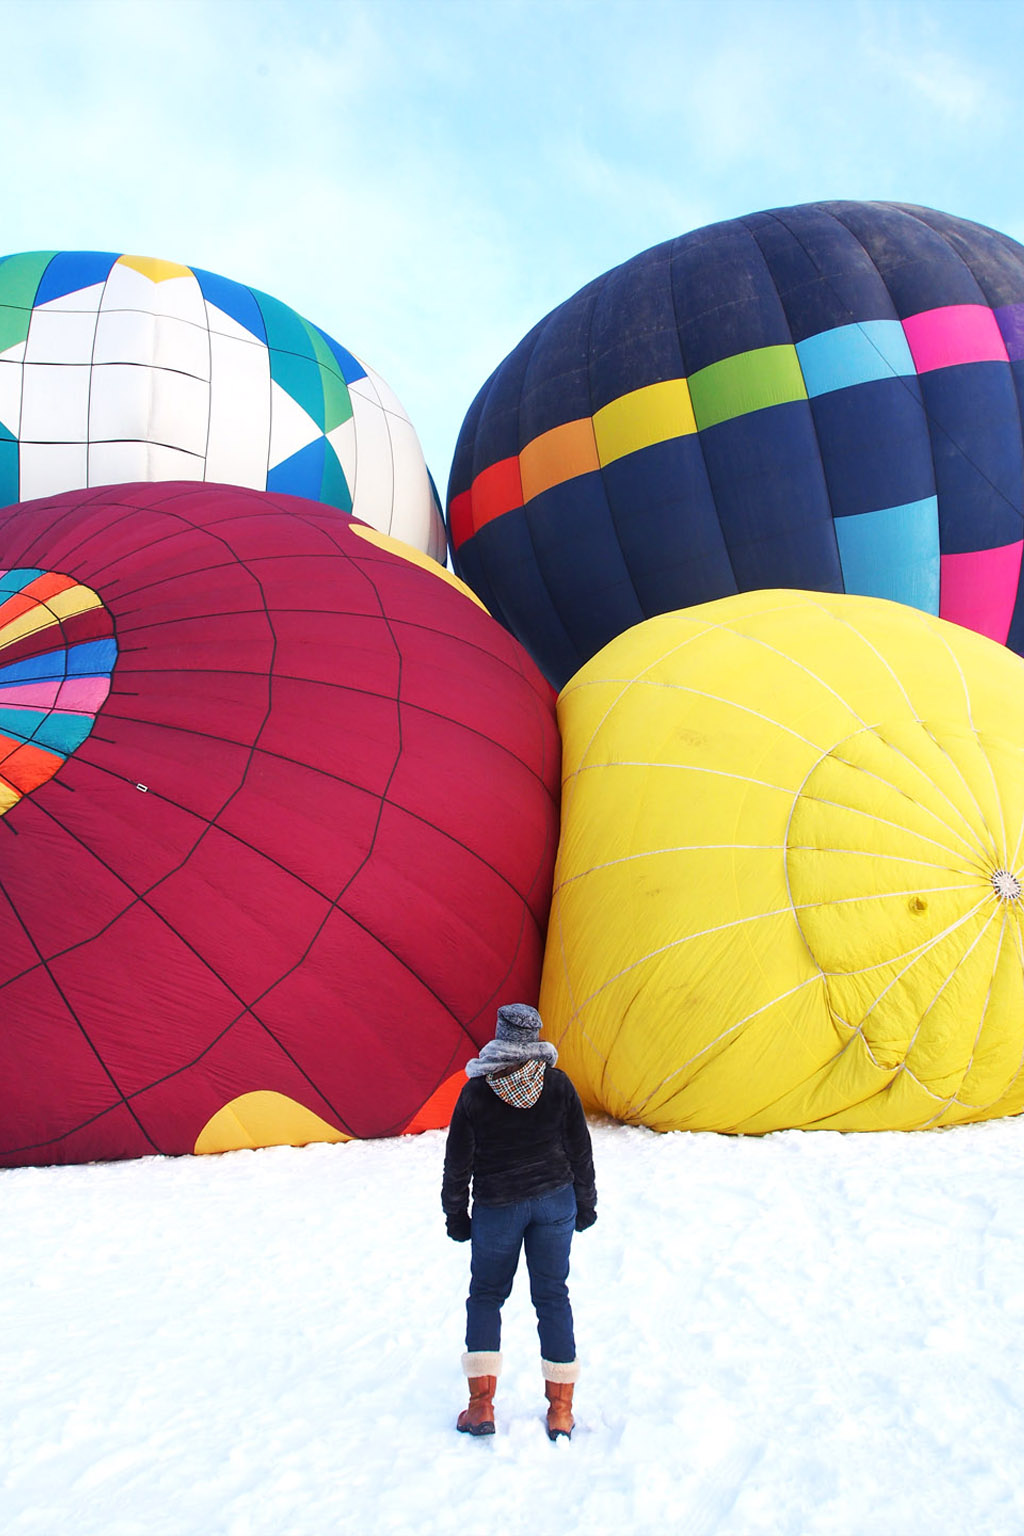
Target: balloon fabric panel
x=692, y=557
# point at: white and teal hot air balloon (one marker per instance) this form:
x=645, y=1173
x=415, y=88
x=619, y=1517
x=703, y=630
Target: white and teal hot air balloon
x=126, y=368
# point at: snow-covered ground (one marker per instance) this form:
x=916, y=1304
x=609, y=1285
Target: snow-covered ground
x=800, y=1334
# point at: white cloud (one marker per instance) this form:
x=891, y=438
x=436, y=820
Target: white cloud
x=958, y=93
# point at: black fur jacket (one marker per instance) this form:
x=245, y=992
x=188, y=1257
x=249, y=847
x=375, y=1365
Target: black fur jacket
x=513, y=1154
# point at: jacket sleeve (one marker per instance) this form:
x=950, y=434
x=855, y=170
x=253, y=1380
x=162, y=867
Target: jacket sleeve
x=581, y=1156
x=458, y=1161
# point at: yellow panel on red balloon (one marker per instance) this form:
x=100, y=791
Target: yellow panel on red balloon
x=264, y=1119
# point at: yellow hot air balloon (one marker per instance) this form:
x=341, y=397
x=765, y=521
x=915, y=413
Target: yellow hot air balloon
x=789, y=883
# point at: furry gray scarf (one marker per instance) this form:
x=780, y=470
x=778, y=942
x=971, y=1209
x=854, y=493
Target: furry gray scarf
x=497, y=1054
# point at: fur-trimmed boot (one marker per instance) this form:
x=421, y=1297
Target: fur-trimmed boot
x=559, y=1380
x=482, y=1371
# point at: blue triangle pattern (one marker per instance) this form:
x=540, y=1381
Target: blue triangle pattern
x=234, y=299
x=71, y=270
x=351, y=368
x=302, y=474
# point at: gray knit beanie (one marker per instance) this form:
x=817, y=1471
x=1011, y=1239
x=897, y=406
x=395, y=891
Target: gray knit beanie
x=516, y=1039
x=519, y=1023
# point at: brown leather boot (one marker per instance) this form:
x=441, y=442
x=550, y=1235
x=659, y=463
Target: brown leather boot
x=560, y=1376
x=482, y=1370
x=560, y=1419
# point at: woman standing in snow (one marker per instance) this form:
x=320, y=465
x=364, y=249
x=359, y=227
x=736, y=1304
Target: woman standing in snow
x=519, y=1133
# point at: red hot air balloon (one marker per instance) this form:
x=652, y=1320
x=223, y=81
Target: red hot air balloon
x=278, y=813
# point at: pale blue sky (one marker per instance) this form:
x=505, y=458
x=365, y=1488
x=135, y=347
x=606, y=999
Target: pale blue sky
x=426, y=178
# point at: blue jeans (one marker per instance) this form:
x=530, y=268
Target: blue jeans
x=543, y=1227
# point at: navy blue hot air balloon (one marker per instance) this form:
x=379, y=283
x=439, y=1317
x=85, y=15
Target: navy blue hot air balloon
x=823, y=397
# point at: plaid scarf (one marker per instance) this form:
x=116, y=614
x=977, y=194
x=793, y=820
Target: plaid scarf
x=521, y=1088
